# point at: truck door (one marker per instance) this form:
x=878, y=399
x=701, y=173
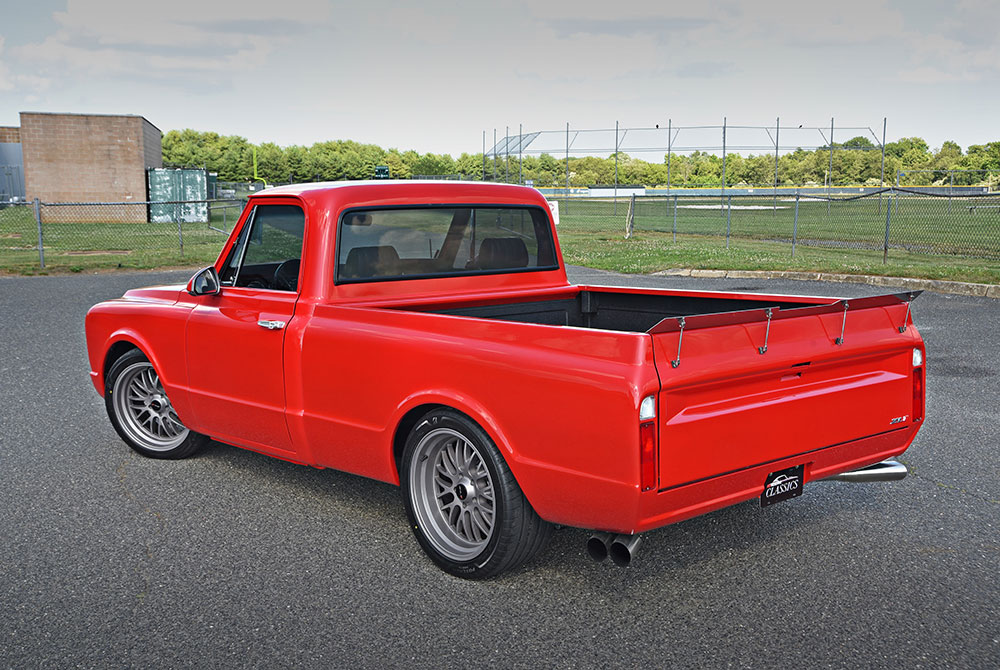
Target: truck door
x=235, y=339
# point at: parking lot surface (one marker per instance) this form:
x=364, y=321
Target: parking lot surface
x=232, y=559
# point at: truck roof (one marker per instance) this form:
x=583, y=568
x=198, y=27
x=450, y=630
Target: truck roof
x=415, y=191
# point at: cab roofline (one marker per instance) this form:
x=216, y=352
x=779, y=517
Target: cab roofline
x=376, y=185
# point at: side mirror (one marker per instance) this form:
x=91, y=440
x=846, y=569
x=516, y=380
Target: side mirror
x=205, y=282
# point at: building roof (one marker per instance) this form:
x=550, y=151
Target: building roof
x=118, y=116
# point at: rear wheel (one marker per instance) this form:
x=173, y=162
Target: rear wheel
x=464, y=505
x=141, y=412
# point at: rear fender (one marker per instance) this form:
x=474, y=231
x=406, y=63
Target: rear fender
x=459, y=402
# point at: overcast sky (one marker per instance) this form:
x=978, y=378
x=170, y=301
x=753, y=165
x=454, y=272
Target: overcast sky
x=432, y=76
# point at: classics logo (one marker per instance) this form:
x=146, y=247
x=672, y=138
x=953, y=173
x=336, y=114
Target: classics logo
x=782, y=484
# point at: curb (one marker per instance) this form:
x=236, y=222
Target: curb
x=908, y=283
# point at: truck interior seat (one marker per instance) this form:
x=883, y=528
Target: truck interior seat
x=497, y=253
x=364, y=262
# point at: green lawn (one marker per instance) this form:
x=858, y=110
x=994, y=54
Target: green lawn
x=656, y=251
x=965, y=226
x=75, y=247
x=928, y=238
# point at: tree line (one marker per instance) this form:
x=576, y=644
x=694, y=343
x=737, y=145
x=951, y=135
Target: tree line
x=855, y=162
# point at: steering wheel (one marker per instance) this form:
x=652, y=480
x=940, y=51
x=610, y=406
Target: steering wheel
x=286, y=275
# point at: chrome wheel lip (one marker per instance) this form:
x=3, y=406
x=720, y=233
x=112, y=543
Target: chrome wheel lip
x=144, y=411
x=452, y=494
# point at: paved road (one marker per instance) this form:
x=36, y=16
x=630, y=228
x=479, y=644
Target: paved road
x=232, y=559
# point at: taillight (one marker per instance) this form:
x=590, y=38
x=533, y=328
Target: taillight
x=918, y=394
x=647, y=443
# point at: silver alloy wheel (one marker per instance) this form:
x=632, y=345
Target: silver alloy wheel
x=144, y=411
x=452, y=494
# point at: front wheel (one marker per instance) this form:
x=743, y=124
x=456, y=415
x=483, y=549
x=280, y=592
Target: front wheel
x=464, y=505
x=141, y=412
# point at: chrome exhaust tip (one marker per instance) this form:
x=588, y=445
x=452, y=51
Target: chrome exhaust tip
x=886, y=471
x=598, y=544
x=623, y=549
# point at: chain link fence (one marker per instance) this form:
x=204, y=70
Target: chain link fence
x=890, y=224
x=887, y=220
x=138, y=235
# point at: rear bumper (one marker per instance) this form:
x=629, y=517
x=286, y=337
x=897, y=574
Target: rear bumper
x=661, y=508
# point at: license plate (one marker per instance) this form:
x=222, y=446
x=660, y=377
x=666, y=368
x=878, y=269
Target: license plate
x=782, y=485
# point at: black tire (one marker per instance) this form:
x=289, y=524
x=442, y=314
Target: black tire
x=464, y=505
x=141, y=412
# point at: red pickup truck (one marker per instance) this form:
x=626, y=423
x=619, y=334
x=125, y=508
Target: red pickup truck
x=425, y=334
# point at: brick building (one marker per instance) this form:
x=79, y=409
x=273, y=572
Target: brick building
x=88, y=158
x=10, y=135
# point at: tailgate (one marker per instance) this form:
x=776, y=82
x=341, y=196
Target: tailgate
x=756, y=386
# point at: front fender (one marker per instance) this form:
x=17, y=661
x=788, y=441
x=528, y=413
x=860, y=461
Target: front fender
x=157, y=332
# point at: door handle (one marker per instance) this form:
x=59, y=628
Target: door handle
x=271, y=325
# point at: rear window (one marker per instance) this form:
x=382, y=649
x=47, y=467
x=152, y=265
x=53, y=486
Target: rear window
x=425, y=242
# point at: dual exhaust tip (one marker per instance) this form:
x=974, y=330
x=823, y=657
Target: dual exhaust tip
x=621, y=548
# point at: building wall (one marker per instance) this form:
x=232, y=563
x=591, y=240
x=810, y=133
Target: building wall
x=89, y=158
x=10, y=135
x=152, y=145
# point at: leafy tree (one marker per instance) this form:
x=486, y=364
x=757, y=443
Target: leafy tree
x=856, y=161
x=470, y=166
x=859, y=142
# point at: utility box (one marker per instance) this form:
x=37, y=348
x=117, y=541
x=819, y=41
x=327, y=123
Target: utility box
x=11, y=165
x=178, y=195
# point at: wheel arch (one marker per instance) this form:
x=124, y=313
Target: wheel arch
x=410, y=413
x=115, y=351
x=123, y=341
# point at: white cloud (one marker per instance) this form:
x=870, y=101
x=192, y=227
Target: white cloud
x=432, y=75
x=6, y=83
x=183, y=37
x=19, y=82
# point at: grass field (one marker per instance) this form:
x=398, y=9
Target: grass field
x=961, y=226
x=930, y=238
x=76, y=247
x=656, y=251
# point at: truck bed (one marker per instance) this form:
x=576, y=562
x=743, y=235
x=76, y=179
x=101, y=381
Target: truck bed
x=749, y=380
x=628, y=310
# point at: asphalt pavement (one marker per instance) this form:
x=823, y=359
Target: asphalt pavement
x=233, y=559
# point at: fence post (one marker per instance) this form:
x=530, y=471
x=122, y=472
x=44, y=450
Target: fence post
x=829, y=178
x=675, y=219
x=630, y=218
x=180, y=235
x=951, y=189
x=729, y=215
x=795, y=225
x=41, y=246
x=506, y=154
x=567, y=158
x=616, y=168
x=888, y=216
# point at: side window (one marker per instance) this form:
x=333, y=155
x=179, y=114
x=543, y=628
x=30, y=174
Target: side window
x=267, y=253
